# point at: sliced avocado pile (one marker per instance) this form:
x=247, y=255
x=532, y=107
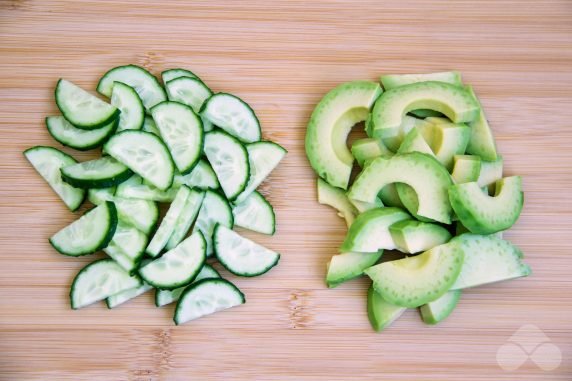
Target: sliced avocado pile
x=431, y=188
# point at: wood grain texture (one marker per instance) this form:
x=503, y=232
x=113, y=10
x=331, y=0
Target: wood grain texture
x=281, y=57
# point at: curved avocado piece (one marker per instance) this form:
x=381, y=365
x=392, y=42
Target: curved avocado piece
x=389, y=196
x=482, y=142
x=488, y=259
x=449, y=139
x=397, y=80
x=466, y=168
x=413, y=281
x=347, y=266
x=370, y=231
x=330, y=124
x=408, y=198
x=424, y=174
x=414, y=236
x=367, y=149
x=380, y=313
x=439, y=309
x=362, y=207
x=337, y=199
x=484, y=214
x=453, y=101
x=491, y=172
x=394, y=142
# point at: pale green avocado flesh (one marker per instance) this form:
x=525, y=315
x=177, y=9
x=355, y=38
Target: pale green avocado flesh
x=380, y=313
x=449, y=139
x=412, y=236
x=337, y=199
x=455, y=102
x=466, y=168
x=330, y=124
x=482, y=142
x=439, y=309
x=367, y=149
x=413, y=281
x=424, y=174
x=347, y=266
x=363, y=207
x=484, y=214
x=394, y=142
x=392, y=81
x=488, y=259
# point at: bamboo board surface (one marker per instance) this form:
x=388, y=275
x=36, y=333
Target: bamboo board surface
x=281, y=57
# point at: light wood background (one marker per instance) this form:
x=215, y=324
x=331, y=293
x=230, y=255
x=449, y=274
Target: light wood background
x=281, y=57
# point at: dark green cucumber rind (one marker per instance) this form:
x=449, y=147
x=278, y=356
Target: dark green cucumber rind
x=271, y=211
x=112, y=218
x=83, y=146
x=190, y=74
x=192, y=165
x=95, y=125
x=195, y=285
x=182, y=283
x=204, y=106
x=229, y=268
x=78, y=275
x=99, y=183
x=74, y=207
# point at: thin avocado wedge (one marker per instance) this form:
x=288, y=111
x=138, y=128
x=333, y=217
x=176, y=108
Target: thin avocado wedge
x=466, y=168
x=337, y=199
x=412, y=236
x=424, y=174
x=449, y=139
x=330, y=124
x=438, y=310
x=367, y=149
x=482, y=142
x=347, y=266
x=392, y=81
x=380, y=313
x=393, y=143
x=455, y=102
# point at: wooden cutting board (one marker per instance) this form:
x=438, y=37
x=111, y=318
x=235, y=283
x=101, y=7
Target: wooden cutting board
x=281, y=57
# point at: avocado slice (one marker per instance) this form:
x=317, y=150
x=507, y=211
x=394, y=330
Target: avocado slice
x=455, y=102
x=414, y=281
x=449, y=139
x=370, y=231
x=367, y=149
x=415, y=141
x=394, y=142
x=491, y=172
x=337, y=199
x=484, y=214
x=439, y=309
x=330, y=124
x=389, y=196
x=408, y=198
x=488, y=259
x=482, y=142
x=466, y=168
x=414, y=236
x=380, y=313
x=347, y=266
x=362, y=207
x=423, y=173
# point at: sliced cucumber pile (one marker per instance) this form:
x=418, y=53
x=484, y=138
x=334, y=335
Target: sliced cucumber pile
x=174, y=142
x=430, y=188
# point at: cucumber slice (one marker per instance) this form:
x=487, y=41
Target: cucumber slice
x=202, y=176
x=48, y=161
x=133, y=188
x=363, y=207
x=466, y=168
x=150, y=126
x=124, y=296
x=145, y=154
x=188, y=91
x=124, y=260
x=130, y=242
x=169, y=75
x=329, y=126
x=483, y=214
x=141, y=214
x=233, y=115
x=397, y=80
x=453, y=101
x=182, y=131
x=177, y=267
x=99, y=196
x=104, y=172
x=424, y=174
x=263, y=157
x=206, y=297
x=99, y=280
x=145, y=84
x=164, y=297
x=439, y=309
x=482, y=142
x=240, y=255
x=82, y=109
x=380, y=313
x=186, y=218
x=414, y=237
x=370, y=231
x=90, y=233
x=367, y=149
x=488, y=259
x=125, y=98
x=167, y=226
x=256, y=214
x=229, y=160
x=449, y=139
x=347, y=266
x=414, y=281
x=214, y=210
x=83, y=140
